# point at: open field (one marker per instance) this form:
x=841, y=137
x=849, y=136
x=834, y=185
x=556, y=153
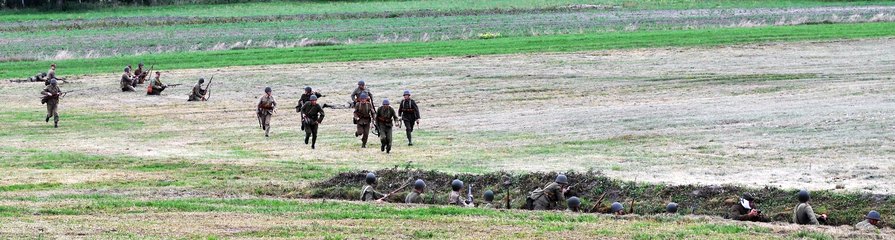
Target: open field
x=788, y=115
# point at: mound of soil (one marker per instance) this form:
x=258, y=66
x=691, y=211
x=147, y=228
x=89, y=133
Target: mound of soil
x=777, y=204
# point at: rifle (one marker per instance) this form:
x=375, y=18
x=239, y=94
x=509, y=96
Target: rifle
x=146, y=74
x=507, y=185
x=407, y=183
x=633, y=197
x=258, y=115
x=598, y=203
x=174, y=85
x=469, y=195
x=208, y=89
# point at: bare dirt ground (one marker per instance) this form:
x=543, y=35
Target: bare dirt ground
x=792, y=115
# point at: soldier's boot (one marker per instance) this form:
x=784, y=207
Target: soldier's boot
x=48, y=119
x=307, y=136
x=313, y=142
x=56, y=124
x=267, y=131
x=388, y=148
x=363, y=144
x=409, y=139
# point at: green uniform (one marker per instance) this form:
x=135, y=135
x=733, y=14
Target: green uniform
x=409, y=113
x=313, y=116
x=804, y=215
x=550, y=198
x=198, y=94
x=155, y=87
x=51, y=98
x=364, y=114
x=305, y=98
x=368, y=193
x=355, y=95
x=266, y=105
x=385, y=117
x=127, y=83
x=865, y=225
x=414, y=197
x=741, y=213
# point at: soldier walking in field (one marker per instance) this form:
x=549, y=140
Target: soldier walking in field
x=385, y=117
x=361, y=89
x=156, y=86
x=50, y=97
x=198, y=94
x=363, y=117
x=51, y=74
x=312, y=117
x=416, y=196
x=551, y=196
x=266, y=107
x=127, y=81
x=305, y=98
x=410, y=114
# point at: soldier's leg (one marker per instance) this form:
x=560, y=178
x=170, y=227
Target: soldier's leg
x=365, y=133
x=382, y=142
x=307, y=133
x=388, y=140
x=266, y=122
x=55, y=112
x=313, y=135
x=49, y=112
x=408, y=128
x=541, y=204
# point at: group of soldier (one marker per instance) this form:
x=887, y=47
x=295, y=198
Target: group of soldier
x=366, y=116
x=552, y=197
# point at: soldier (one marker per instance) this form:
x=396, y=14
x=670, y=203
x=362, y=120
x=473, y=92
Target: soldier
x=127, y=81
x=671, y=208
x=304, y=99
x=198, y=93
x=745, y=210
x=313, y=116
x=574, y=204
x=410, y=113
x=385, y=117
x=416, y=195
x=363, y=117
x=489, y=199
x=140, y=74
x=369, y=193
x=456, y=198
x=871, y=221
x=266, y=107
x=551, y=196
x=156, y=86
x=51, y=74
x=803, y=213
x=361, y=89
x=51, y=96
x=617, y=209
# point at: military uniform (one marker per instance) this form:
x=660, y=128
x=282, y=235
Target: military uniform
x=804, y=214
x=313, y=117
x=51, y=96
x=384, y=117
x=155, y=87
x=865, y=225
x=304, y=99
x=364, y=114
x=198, y=93
x=266, y=105
x=368, y=193
x=414, y=197
x=458, y=199
x=550, y=198
x=409, y=113
x=355, y=95
x=140, y=75
x=488, y=205
x=739, y=212
x=127, y=83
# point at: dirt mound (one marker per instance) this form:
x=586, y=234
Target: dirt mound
x=843, y=208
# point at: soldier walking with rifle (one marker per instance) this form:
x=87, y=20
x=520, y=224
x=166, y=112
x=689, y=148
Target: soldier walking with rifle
x=363, y=117
x=385, y=117
x=410, y=113
x=51, y=95
x=312, y=116
x=305, y=98
x=266, y=107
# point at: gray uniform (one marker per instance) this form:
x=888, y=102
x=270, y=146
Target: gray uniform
x=51, y=98
x=364, y=113
x=414, y=197
x=865, y=225
x=551, y=198
x=198, y=93
x=385, y=117
x=368, y=193
x=266, y=105
x=804, y=214
x=356, y=94
x=127, y=83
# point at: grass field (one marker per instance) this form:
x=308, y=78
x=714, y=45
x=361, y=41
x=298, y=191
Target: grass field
x=683, y=108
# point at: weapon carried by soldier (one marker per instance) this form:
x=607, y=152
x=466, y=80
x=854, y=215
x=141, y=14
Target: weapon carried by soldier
x=598, y=202
x=469, y=195
x=406, y=183
x=208, y=89
x=507, y=184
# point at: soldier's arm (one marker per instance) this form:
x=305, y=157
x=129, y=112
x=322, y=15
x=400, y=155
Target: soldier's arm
x=320, y=109
x=811, y=216
x=735, y=213
x=416, y=110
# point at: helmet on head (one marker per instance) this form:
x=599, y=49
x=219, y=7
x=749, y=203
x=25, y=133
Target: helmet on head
x=371, y=178
x=361, y=83
x=874, y=215
x=562, y=179
x=307, y=89
x=312, y=98
x=456, y=184
x=268, y=90
x=363, y=96
x=201, y=80
x=419, y=185
x=53, y=81
x=804, y=196
x=671, y=208
x=616, y=207
x=385, y=101
x=406, y=92
x=127, y=69
x=140, y=64
x=573, y=202
x=748, y=197
x=489, y=195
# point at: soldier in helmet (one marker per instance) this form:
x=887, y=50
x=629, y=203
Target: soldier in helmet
x=803, y=213
x=50, y=97
x=361, y=89
x=312, y=117
x=363, y=117
x=489, y=200
x=574, y=204
x=369, y=193
x=385, y=117
x=305, y=98
x=127, y=81
x=410, y=114
x=617, y=209
x=551, y=196
x=266, y=107
x=456, y=198
x=671, y=208
x=51, y=74
x=871, y=221
x=416, y=196
x=745, y=210
x=198, y=94
x=156, y=86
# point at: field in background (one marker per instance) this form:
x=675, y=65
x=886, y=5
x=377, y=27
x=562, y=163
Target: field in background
x=693, y=101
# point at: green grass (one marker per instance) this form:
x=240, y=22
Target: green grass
x=557, y=43
x=330, y=7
